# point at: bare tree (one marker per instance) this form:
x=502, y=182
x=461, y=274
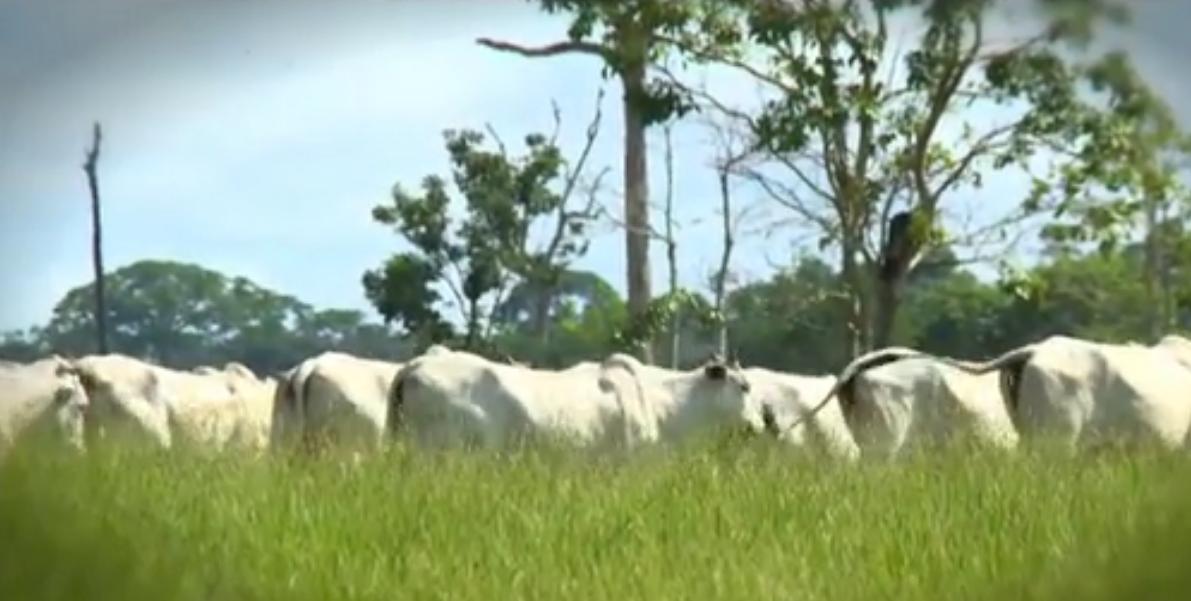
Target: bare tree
x=89, y=166
x=671, y=242
x=732, y=151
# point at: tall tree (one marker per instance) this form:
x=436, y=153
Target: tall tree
x=866, y=159
x=479, y=256
x=90, y=166
x=627, y=37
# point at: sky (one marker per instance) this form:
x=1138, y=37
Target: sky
x=254, y=137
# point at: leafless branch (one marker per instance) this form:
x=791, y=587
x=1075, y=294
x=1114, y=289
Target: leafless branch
x=727, y=61
x=938, y=103
x=556, y=113
x=565, y=217
x=500, y=143
x=980, y=147
x=553, y=49
x=787, y=197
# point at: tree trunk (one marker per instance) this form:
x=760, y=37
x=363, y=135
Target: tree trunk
x=676, y=318
x=721, y=278
x=901, y=252
x=541, y=316
x=672, y=253
x=101, y=327
x=1156, y=292
x=888, y=297
x=856, y=339
x=636, y=196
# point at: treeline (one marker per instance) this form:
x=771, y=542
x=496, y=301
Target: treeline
x=183, y=315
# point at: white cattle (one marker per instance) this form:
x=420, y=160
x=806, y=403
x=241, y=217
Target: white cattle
x=1085, y=393
x=786, y=399
x=661, y=405
x=459, y=399
x=896, y=399
x=257, y=395
x=334, y=398
x=40, y=396
x=168, y=407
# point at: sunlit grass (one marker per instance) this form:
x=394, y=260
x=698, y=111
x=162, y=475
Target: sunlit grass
x=724, y=522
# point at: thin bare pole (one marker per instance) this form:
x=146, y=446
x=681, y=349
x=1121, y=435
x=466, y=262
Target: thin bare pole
x=101, y=328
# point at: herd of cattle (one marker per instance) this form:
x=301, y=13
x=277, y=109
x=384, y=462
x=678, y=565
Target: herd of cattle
x=1083, y=393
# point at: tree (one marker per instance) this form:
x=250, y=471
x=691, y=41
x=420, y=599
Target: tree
x=731, y=152
x=478, y=257
x=627, y=37
x=865, y=160
x=1137, y=162
x=585, y=311
x=183, y=315
x=90, y=167
x=22, y=346
x=791, y=322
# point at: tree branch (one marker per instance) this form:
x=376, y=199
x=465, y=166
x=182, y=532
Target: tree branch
x=553, y=49
x=938, y=106
x=980, y=146
x=565, y=217
x=504, y=152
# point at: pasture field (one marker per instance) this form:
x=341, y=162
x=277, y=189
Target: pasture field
x=717, y=521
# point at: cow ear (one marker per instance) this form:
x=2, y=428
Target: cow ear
x=715, y=371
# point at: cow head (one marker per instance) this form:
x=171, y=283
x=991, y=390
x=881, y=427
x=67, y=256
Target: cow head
x=725, y=389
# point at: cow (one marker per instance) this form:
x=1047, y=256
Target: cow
x=785, y=398
x=1086, y=394
x=42, y=396
x=168, y=408
x=899, y=399
x=462, y=400
x=333, y=399
x=667, y=406
x=258, y=396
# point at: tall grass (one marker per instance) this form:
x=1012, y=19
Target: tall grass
x=713, y=522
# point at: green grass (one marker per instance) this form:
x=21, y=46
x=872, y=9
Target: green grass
x=723, y=522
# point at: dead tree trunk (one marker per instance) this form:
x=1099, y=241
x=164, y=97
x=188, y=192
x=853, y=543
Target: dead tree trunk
x=101, y=328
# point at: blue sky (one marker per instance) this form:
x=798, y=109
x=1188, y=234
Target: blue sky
x=254, y=137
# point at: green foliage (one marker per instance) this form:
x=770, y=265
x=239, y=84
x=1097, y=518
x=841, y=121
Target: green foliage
x=733, y=522
x=582, y=315
x=660, y=313
x=183, y=315
x=792, y=322
x=632, y=35
x=868, y=142
x=480, y=254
